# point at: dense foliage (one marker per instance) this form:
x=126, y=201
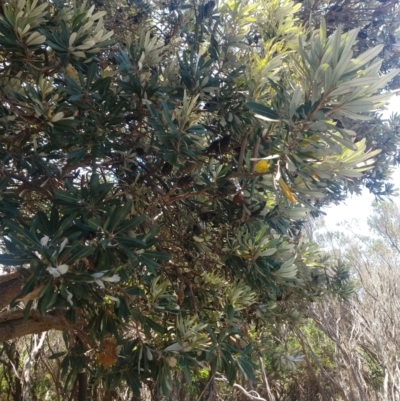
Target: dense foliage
x=378, y=23
x=154, y=180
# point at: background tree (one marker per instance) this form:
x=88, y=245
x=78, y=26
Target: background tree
x=153, y=188
x=365, y=329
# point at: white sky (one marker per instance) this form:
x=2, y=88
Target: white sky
x=358, y=208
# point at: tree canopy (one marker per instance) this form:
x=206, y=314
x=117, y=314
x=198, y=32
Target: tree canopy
x=154, y=179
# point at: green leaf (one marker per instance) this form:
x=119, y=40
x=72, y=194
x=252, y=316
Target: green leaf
x=27, y=310
x=95, y=223
x=262, y=110
x=364, y=58
x=158, y=255
x=130, y=224
x=345, y=142
x=23, y=239
x=130, y=242
x=66, y=197
x=46, y=297
x=151, y=264
x=13, y=260
x=56, y=355
x=136, y=291
x=76, y=155
x=91, y=74
x=83, y=252
x=118, y=216
x=4, y=183
x=66, y=221
x=132, y=379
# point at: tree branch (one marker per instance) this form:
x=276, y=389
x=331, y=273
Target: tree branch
x=265, y=380
x=36, y=346
x=243, y=147
x=251, y=394
x=10, y=287
x=13, y=325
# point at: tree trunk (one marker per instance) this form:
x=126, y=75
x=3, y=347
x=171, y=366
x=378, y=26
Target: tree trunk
x=18, y=390
x=36, y=346
x=108, y=395
x=12, y=371
x=82, y=386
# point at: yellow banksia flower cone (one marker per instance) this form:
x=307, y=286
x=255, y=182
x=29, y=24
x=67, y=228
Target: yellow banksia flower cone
x=262, y=166
x=108, y=354
x=72, y=72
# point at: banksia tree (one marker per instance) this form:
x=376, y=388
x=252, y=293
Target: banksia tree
x=153, y=182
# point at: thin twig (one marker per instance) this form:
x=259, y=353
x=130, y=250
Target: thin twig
x=205, y=388
x=252, y=395
x=265, y=380
x=255, y=152
x=241, y=154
